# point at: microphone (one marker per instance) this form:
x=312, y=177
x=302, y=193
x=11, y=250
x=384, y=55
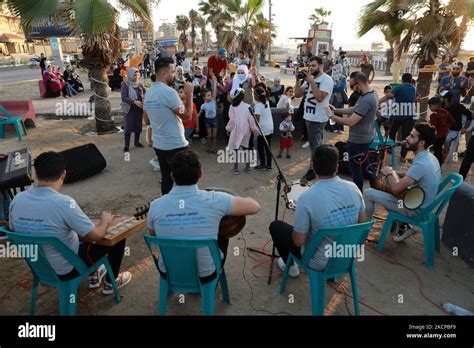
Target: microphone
x=397, y=144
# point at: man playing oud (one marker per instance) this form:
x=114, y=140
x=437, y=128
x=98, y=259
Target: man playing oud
x=424, y=173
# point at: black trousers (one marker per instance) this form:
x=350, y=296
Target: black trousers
x=281, y=235
x=264, y=153
x=91, y=253
x=164, y=158
x=438, y=149
x=406, y=124
x=223, y=244
x=468, y=159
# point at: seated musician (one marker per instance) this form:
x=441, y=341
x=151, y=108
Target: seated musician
x=424, y=173
x=42, y=210
x=331, y=202
x=204, y=209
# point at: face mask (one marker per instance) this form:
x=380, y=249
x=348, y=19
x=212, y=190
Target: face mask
x=241, y=77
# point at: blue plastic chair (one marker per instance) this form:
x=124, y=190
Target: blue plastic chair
x=380, y=140
x=336, y=267
x=427, y=219
x=44, y=273
x=7, y=119
x=182, y=275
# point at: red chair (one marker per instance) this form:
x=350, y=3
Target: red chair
x=42, y=88
x=21, y=108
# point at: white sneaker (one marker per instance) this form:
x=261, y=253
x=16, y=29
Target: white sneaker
x=403, y=233
x=96, y=279
x=203, y=141
x=155, y=164
x=305, y=145
x=294, y=270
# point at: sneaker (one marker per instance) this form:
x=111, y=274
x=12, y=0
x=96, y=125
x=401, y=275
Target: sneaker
x=262, y=168
x=96, y=279
x=155, y=164
x=139, y=145
x=294, y=270
x=305, y=145
x=126, y=149
x=123, y=279
x=403, y=233
x=248, y=170
x=203, y=141
x=236, y=172
x=288, y=156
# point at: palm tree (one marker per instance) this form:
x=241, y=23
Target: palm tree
x=182, y=24
x=202, y=25
x=193, y=16
x=319, y=16
x=215, y=12
x=386, y=15
x=432, y=33
x=96, y=23
x=465, y=10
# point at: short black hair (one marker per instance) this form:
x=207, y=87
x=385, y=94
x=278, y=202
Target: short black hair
x=232, y=74
x=325, y=160
x=49, y=166
x=239, y=99
x=326, y=52
x=261, y=95
x=353, y=74
x=427, y=133
x=204, y=91
x=386, y=88
x=163, y=63
x=186, y=168
x=180, y=87
x=360, y=77
x=288, y=88
x=407, y=77
x=153, y=78
x=461, y=65
x=434, y=101
x=317, y=59
x=241, y=52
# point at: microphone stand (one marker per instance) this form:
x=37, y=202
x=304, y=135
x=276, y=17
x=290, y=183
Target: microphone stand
x=280, y=179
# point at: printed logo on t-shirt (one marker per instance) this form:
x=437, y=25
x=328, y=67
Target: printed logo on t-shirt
x=311, y=102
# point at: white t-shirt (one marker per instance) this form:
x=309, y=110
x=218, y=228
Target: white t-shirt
x=315, y=111
x=186, y=64
x=284, y=102
x=266, y=118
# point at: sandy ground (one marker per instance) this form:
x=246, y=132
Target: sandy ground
x=394, y=282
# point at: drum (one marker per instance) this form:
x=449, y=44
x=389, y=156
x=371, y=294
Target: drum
x=230, y=226
x=413, y=198
x=293, y=193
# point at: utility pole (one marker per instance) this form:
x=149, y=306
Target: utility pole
x=270, y=20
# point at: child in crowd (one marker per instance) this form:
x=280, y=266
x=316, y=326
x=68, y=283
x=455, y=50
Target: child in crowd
x=209, y=109
x=264, y=117
x=285, y=100
x=240, y=127
x=286, y=136
x=385, y=111
x=193, y=124
x=442, y=120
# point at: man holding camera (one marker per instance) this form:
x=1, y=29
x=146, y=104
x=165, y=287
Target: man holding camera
x=317, y=87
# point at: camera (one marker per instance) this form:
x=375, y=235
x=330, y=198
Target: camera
x=301, y=74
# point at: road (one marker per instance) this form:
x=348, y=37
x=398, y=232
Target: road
x=18, y=74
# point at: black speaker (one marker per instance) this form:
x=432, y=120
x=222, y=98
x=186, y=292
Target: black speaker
x=458, y=228
x=83, y=162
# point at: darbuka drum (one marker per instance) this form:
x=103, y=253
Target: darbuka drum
x=230, y=226
x=293, y=193
x=413, y=198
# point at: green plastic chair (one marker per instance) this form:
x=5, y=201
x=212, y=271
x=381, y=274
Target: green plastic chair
x=351, y=235
x=427, y=219
x=7, y=119
x=44, y=273
x=179, y=256
x=380, y=141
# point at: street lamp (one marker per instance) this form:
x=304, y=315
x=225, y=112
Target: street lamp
x=270, y=21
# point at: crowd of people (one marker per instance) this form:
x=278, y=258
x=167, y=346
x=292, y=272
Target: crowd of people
x=185, y=99
x=59, y=83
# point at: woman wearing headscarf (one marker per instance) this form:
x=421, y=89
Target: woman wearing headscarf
x=339, y=96
x=133, y=93
x=246, y=80
x=179, y=78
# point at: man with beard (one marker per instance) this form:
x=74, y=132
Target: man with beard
x=424, y=173
x=346, y=65
x=167, y=113
x=327, y=63
x=457, y=84
x=361, y=122
x=317, y=88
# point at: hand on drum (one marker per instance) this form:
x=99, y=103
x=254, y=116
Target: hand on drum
x=387, y=171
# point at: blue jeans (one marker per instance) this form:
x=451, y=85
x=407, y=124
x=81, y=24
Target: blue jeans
x=188, y=132
x=356, y=153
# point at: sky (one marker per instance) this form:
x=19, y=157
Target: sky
x=291, y=18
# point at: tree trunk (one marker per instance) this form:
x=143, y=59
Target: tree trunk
x=424, y=89
x=103, y=111
x=463, y=28
x=388, y=66
x=396, y=63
